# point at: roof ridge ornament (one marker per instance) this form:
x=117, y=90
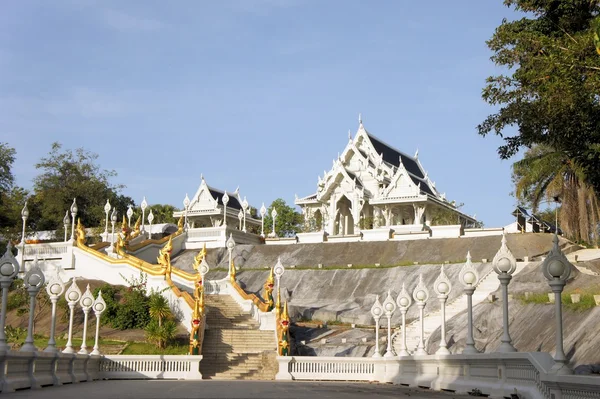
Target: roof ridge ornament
x=417, y=154
x=349, y=136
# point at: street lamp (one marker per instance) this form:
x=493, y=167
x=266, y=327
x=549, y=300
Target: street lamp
x=143, y=205
x=73, y=214
x=557, y=270
x=99, y=306
x=442, y=287
x=240, y=217
x=377, y=312
x=186, y=205
x=403, y=303
x=230, y=245
x=129, y=215
x=9, y=268
x=86, y=302
x=421, y=295
x=389, y=306
x=469, y=278
x=113, y=220
x=504, y=264
x=34, y=280
x=225, y=200
x=263, y=212
x=150, y=220
x=106, y=210
x=278, y=270
x=73, y=295
x=66, y=223
x=274, y=216
x=55, y=289
x=245, y=208
x=24, y=216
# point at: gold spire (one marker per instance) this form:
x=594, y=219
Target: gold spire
x=285, y=316
x=232, y=271
x=80, y=233
x=198, y=258
x=180, y=224
x=278, y=304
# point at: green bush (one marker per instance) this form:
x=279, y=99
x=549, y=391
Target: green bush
x=132, y=312
x=111, y=296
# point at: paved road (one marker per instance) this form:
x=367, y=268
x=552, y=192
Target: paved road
x=228, y=389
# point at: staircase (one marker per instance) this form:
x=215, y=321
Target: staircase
x=234, y=348
x=431, y=321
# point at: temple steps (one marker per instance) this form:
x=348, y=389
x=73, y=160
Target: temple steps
x=233, y=347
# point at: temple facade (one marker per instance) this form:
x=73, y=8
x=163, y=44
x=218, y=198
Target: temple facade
x=372, y=185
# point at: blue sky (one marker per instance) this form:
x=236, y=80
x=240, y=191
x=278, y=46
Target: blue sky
x=252, y=93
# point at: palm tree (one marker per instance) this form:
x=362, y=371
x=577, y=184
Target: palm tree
x=545, y=173
x=158, y=307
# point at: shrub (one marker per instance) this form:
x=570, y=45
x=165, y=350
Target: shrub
x=132, y=312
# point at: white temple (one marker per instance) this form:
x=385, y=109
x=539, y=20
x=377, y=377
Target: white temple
x=372, y=185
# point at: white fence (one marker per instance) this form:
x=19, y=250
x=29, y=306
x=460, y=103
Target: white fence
x=150, y=366
x=495, y=374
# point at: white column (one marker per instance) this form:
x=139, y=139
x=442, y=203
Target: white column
x=86, y=302
x=403, y=303
x=469, y=277
x=504, y=264
x=420, y=295
x=377, y=312
x=34, y=280
x=72, y=296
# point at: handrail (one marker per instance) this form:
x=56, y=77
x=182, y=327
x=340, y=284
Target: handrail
x=262, y=306
x=145, y=243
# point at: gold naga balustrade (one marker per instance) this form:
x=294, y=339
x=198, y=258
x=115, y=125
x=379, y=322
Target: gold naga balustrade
x=260, y=304
x=160, y=241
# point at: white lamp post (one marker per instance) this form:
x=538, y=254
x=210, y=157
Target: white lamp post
x=143, y=205
x=557, y=270
x=245, y=206
x=113, y=221
x=403, y=303
x=225, y=200
x=73, y=295
x=442, y=287
x=186, y=205
x=107, y=211
x=263, y=212
x=99, y=306
x=389, y=306
x=204, y=268
x=129, y=215
x=73, y=210
x=24, y=216
x=469, y=278
x=55, y=289
x=377, y=312
x=86, y=302
x=504, y=264
x=421, y=295
x=230, y=245
x=240, y=217
x=9, y=268
x=278, y=270
x=150, y=220
x=274, y=216
x=66, y=223
x=34, y=280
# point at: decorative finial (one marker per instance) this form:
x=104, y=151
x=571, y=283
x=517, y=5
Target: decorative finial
x=417, y=154
x=360, y=119
x=201, y=176
x=349, y=135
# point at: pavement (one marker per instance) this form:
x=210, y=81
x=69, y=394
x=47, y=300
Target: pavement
x=154, y=389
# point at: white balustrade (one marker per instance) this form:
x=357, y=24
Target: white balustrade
x=151, y=366
x=332, y=368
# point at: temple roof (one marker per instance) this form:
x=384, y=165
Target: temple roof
x=218, y=196
x=393, y=156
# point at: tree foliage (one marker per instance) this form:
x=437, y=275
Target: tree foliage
x=551, y=90
x=287, y=223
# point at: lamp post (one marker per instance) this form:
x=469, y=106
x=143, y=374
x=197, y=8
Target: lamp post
x=55, y=289
x=263, y=212
x=9, y=268
x=106, y=210
x=557, y=270
x=377, y=312
x=129, y=214
x=225, y=200
x=86, y=302
x=34, y=280
x=73, y=210
x=245, y=206
x=389, y=306
x=442, y=287
x=24, y=216
x=278, y=270
x=421, y=295
x=113, y=220
x=403, y=303
x=99, y=306
x=469, y=278
x=186, y=205
x=66, y=223
x=274, y=216
x=143, y=205
x=230, y=245
x=504, y=264
x=150, y=220
x=240, y=217
x=73, y=295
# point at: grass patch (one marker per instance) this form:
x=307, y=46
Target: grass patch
x=534, y=297
x=145, y=348
x=586, y=301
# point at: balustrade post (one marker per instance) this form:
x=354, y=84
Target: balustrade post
x=420, y=295
x=55, y=289
x=34, y=280
x=403, y=303
x=442, y=287
x=86, y=302
x=99, y=306
x=9, y=268
x=505, y=264
x=377, y=312
x=389, y=306
x=469, y=278
x=72, y=296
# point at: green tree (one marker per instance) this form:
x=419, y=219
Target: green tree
x=68, y=174
x=550, y=92
x=161, y=328
x=12, y=198
x=163, y=213
x=7, y=158
x=287, y=223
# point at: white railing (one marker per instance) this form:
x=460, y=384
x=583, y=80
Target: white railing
x=151, y=366
x=45, y=250
x=497, y=374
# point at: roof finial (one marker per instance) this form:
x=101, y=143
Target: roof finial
x=417, y=153
x=349, y=135
x=360, y=119
x=201, y=176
